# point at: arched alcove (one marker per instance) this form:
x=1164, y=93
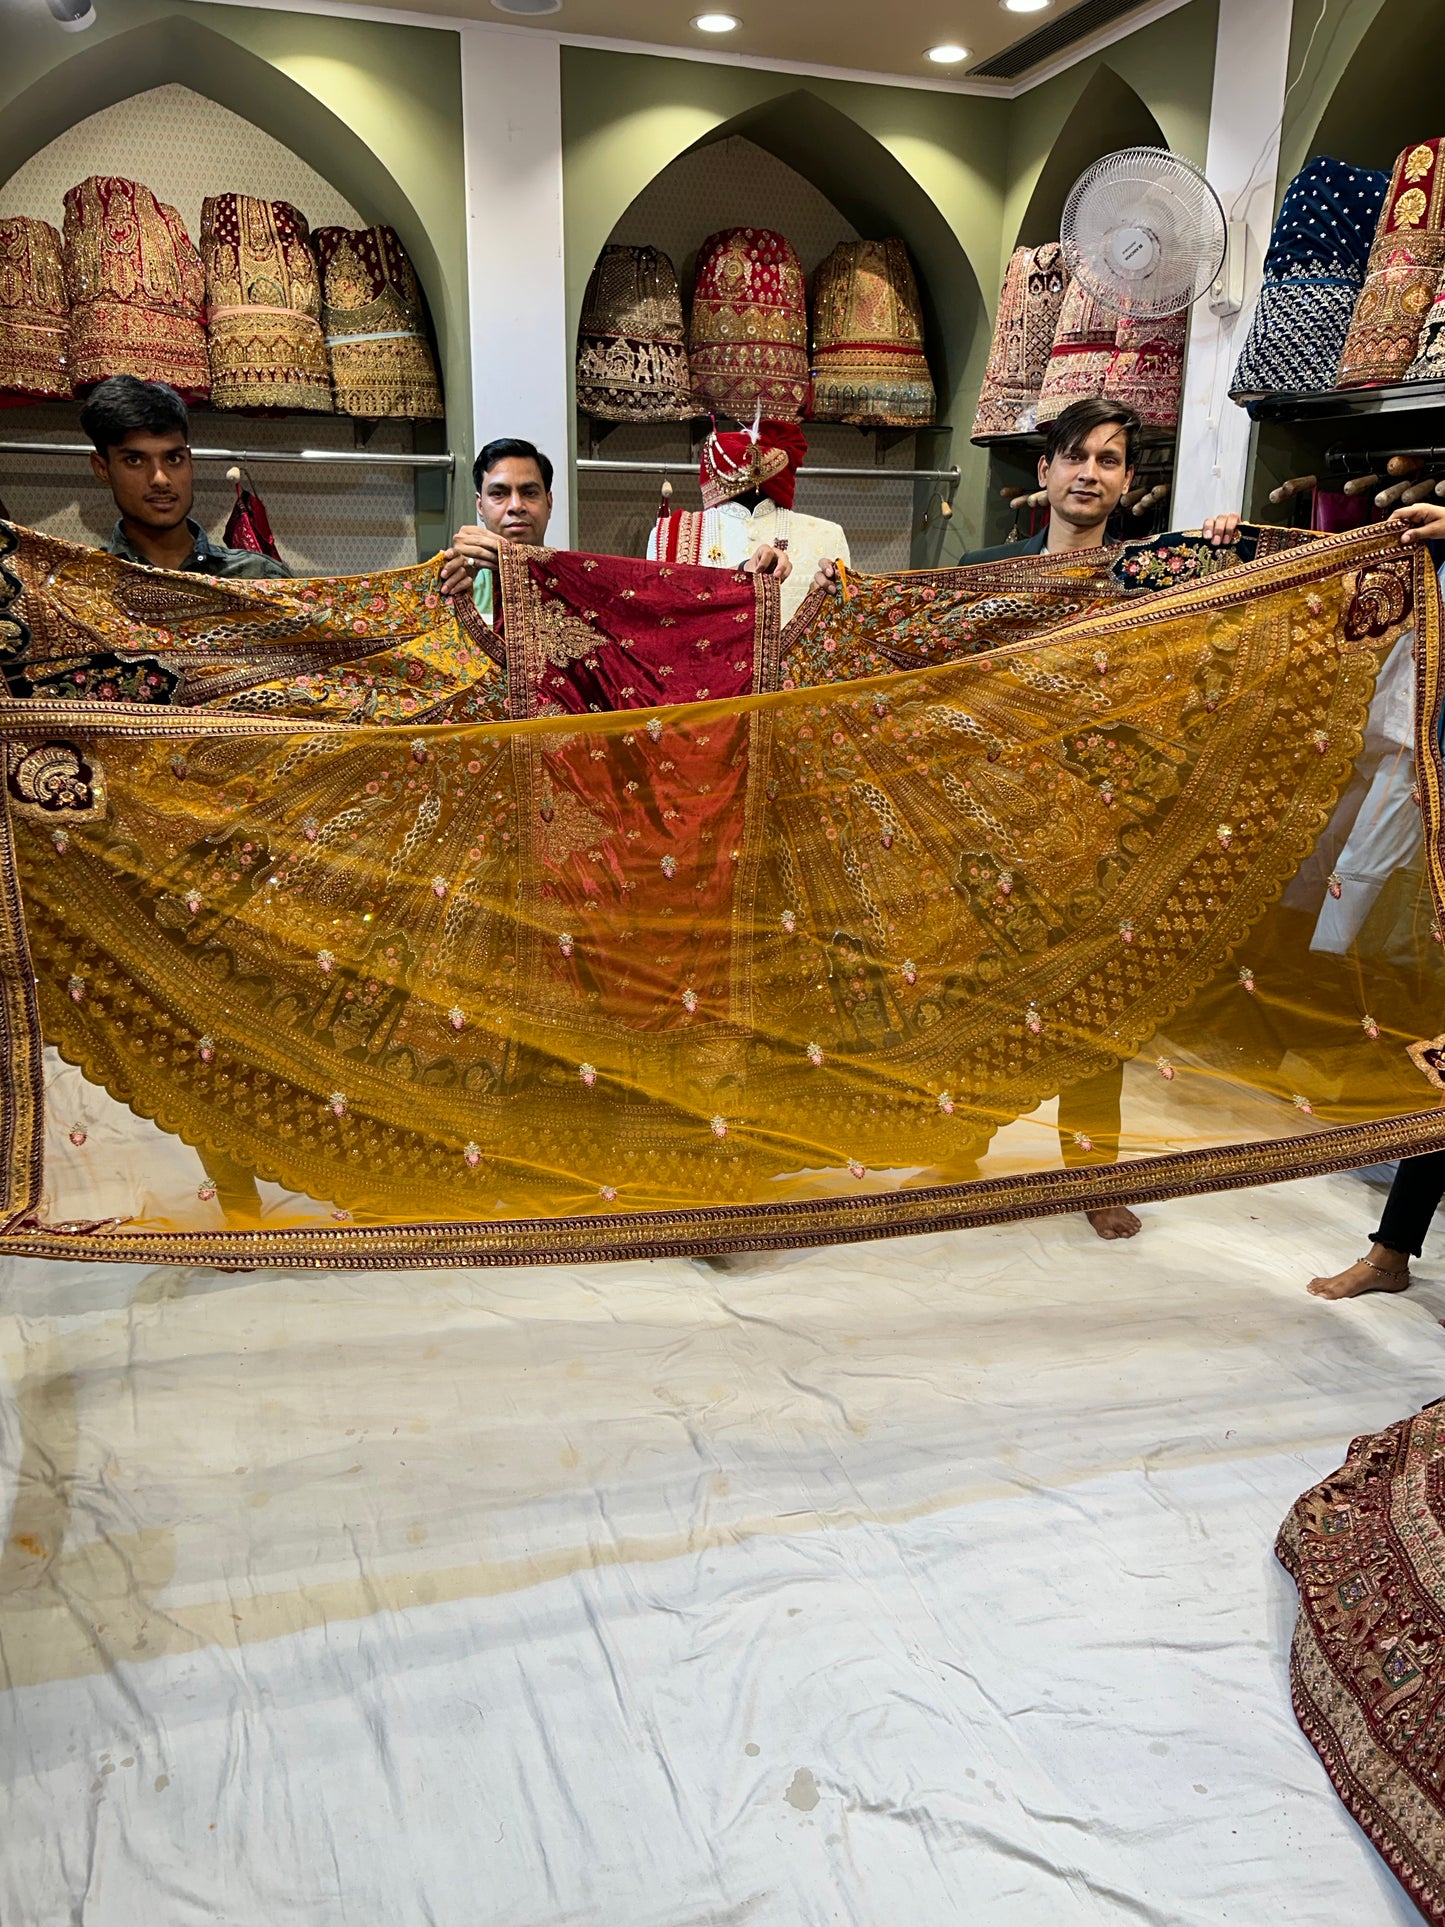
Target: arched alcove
x=860, y=189
x=212, y=64
x=878, y=196
x=339, y=518
x=1107, y=115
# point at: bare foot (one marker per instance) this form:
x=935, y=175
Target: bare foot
x=1114, y=1221
x=1384, y=1270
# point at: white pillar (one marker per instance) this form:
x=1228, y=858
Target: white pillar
x=512, y=135
x=1250, y=68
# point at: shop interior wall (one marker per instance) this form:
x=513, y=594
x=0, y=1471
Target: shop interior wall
x=1160, y=78
x=705, y=189
x=373, y=109
x=1365, y=83
x=889, y=160
x=1152, y=88
x=328, y=521
x=959, y=176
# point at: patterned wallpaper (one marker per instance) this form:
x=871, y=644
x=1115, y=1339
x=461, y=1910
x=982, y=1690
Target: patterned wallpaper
x=333, y=521
x=735, y=183
x=183, y=147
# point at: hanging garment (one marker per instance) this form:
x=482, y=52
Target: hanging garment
x=1313, y=272
x=748, y=345
x=1404, y=271
x=34, y=313
x=1028, y=320
x=249, y=527
x=375, y=326
x=752, y=969
x=1147, y=370
x=136, y=289
x=631, y=347
x=1082, y=354
x=263, y=306
x=1005, y=393
x=869, y=367
x=1332, y=512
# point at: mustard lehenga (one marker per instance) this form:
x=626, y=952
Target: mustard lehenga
x=635, y=929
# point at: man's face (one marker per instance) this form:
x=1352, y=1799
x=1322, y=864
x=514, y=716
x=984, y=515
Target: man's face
x=1084, y=487
x=514, y=502
x=150, y=477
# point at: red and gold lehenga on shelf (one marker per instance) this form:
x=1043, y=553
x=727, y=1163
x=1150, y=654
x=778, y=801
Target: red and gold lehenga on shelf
x=591, y=937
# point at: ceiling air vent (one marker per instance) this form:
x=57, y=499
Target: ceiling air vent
x=1056, y=38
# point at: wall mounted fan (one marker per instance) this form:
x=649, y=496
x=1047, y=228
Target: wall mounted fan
x=1144, y=232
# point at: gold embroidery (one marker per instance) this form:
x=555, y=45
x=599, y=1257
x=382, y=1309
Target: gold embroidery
x=1411, y=207
x=53, y=780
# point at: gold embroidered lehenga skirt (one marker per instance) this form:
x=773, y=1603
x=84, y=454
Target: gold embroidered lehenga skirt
x=341, y=928
x=376, y=332
x=34, y=313
x=263, y=303
x=136, y=289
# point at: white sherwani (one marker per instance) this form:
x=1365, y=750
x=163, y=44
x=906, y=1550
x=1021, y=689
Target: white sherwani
x=735, y=532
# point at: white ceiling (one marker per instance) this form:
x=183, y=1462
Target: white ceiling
x=859, y=35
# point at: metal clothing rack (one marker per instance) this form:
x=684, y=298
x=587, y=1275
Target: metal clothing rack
x=246, y=457
x=595, y=465
x=1343, y=461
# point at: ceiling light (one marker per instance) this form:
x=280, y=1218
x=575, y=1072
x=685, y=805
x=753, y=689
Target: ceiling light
x=716, y=22
x=1025, y=6
x=948, y=55
x=526, y=7
x=74, y=16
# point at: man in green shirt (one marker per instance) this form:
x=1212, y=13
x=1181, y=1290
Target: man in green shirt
x=142, y=437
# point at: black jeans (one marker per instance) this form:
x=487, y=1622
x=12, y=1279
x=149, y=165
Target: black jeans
x=1413, y=1201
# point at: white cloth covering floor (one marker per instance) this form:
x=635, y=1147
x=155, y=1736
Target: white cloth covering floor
x=926, y=1582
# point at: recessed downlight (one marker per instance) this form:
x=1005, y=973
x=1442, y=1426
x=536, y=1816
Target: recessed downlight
x=948, y=54
x=525, y=7
x=1025, y=6
x=716, y=22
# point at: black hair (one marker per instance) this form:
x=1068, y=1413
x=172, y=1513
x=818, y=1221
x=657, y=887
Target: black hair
x=1069, y=430
x=123, y=405
x=508, y=448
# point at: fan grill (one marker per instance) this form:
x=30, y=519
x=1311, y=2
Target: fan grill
x=1143, y=232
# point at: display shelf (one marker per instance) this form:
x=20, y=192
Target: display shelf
x=249, y=457
x=602, y=466
x=1033, y=442
x=597, y=429
x=1346, y=404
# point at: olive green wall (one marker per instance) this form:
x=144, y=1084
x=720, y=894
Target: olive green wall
x=957, y=175
x=1157, y=83
x=1371, y=84
x=375, y=108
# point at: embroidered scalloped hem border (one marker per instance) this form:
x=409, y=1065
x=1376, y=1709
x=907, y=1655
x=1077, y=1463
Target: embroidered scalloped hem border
x=718, y=1229
x=1359, y=1770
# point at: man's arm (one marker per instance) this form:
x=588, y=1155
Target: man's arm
x=1221, y=529
x=766, y=560
x=1422, y=522
x=472, y=548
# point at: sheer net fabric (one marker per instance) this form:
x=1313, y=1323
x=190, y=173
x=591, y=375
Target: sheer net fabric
x=765, y=968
